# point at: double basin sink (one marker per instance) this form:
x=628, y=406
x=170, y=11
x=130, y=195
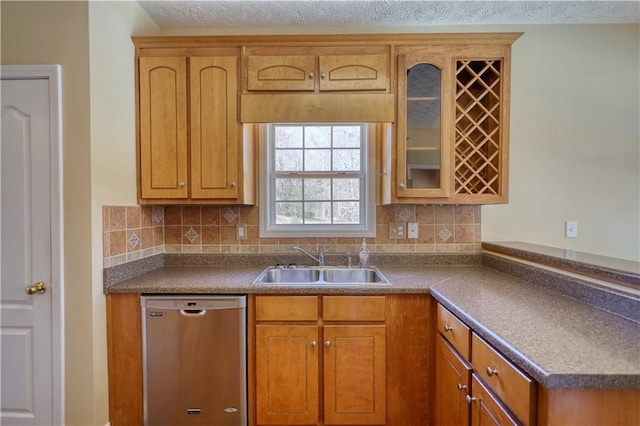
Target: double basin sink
x=321, y=276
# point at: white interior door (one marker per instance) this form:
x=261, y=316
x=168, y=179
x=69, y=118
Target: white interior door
x=30, y=328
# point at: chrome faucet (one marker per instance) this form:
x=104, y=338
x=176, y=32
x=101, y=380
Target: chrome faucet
x=319, y=259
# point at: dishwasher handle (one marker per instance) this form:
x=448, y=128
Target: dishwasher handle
x=193, y=312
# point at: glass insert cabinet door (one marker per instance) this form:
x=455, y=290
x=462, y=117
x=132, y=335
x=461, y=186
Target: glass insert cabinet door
x=423, y=151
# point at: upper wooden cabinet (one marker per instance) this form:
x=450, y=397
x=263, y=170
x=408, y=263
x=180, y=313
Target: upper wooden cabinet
x=451, y=141
x=213, y=161
x=318, y=69
x=163, y=151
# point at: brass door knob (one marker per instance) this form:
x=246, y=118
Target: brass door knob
x=37, y=288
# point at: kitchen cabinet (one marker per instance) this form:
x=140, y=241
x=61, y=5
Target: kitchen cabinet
x=453, y=382
x=475, y=384
x=192, y=148
x=486, y=409
x=319, y=69
x=513, y=387
x=451, y=142
x=353, y=359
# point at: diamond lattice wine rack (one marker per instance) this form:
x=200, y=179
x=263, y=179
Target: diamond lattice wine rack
x=477, y=136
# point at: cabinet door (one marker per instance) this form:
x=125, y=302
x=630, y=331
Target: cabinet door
x=486, y=409
x=281, y=73
x=287, y=374
x=354, y=72
x=354, y=375
x=214, y=127
x=453, y=379
x=163, y=127
x=423, y=130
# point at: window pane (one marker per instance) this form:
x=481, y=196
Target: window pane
x=288, y=213
x=317, y=189
x=288, y=189
x=346, y=159
x=346, y=137
x=317, y=137
x=346, y=189
x=346, y=212
x=315, y=213
x=288, y=136
x=288, y=160
x=317, y=160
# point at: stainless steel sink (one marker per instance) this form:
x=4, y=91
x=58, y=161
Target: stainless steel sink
x=321, y=276
x=302, y=275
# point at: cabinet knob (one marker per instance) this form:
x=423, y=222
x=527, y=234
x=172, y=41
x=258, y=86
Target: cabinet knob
x=470, y=399
x=448, y=328
x=232, y=184
x=182, y=184
x=402, y=186
x=491, y=371
x=314, y=343
x=323, y=75
x=311, y=75
x=462, y=387
x=327, y=343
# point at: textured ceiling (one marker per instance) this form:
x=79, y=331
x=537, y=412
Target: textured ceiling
x=380, y=13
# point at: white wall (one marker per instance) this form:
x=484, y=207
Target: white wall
x=98, y=160
x=575, y=141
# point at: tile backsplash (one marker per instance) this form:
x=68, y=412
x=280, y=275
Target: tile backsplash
x=134, y=232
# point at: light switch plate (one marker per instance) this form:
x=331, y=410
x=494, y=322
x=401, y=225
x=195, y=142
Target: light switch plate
x=241, y=231
x=412, y=230
x=397, y=231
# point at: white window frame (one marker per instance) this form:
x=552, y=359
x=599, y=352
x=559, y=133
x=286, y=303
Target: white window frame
x=268, y=227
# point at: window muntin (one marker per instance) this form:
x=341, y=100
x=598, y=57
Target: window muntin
x=315, y=181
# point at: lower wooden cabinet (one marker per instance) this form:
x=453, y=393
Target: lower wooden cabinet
x=287, y=365
x=352, y=355
x=340, y=360
x=453, y=384
x=486, y=409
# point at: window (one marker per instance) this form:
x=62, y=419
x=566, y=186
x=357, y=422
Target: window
x=315, y=181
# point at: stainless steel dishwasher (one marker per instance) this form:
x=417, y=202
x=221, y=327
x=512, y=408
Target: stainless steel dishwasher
x=194, y=357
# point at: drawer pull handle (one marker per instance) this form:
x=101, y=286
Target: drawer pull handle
x=491, y=371
x=327, y=343
x=314, y=343
x=462, y=387
x=448, y=328
x=470, y=399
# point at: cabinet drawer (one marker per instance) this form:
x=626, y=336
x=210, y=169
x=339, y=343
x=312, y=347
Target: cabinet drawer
x=454, y=331
x=353, y=308
x=486, y=409
x=286, y=308
x=506, y=380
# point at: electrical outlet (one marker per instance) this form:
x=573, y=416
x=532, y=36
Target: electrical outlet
x=397, y=231
x=241, y=231
x=412, y=230
x=571, y=229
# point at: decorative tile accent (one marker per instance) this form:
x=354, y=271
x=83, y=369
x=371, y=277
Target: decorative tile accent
x=158, y=216
x=191, y=234
x=230, y=215
x=445, y=234
x=133, y=240
x=405, y=214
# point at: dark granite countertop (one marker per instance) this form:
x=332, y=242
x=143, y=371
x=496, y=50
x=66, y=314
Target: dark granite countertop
x=559, y=341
